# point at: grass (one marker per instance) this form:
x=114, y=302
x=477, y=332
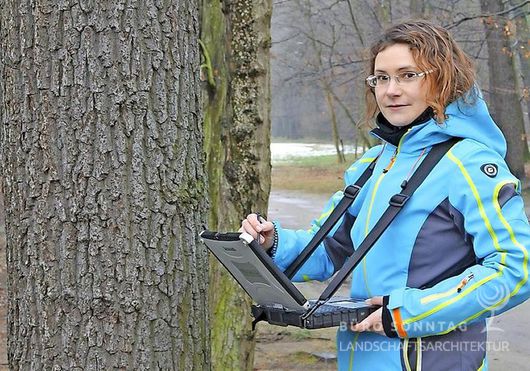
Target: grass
x=324, y=175
x=318, y=174
x=307, y=140
x=302, y=334
x=303, y=358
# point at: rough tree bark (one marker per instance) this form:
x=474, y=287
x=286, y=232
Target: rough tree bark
x=521, y=48
x=519, y=76
x=236, y=41
x=504, y=100
x=102, y=165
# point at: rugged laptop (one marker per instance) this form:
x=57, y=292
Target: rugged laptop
x=278, y=301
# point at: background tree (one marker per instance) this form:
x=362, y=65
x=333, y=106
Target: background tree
x=236, y=41
x=505, y=104
x=102, y=166
x=519, y=39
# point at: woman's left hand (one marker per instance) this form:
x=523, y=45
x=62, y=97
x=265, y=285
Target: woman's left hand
x=374, y=322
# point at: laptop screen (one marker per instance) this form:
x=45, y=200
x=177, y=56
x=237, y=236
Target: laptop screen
x=253, y=269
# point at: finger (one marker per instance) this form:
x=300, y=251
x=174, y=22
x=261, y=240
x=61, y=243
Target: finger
x=360, y=327
x=267, y=227
x=249, y=228
x=259, y=223
x=376, y=300
x=253, y=220
x=378, y=327
x=356, y=328
x=368, y=323
x=364, y=325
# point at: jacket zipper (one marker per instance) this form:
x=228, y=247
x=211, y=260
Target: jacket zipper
x=464, y=282
x=451, y=291
x=376, y=187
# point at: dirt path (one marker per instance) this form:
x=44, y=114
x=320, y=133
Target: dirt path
x=289, y=348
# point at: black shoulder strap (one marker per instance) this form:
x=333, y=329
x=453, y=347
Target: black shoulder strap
x=396, y=204
x=350, y=193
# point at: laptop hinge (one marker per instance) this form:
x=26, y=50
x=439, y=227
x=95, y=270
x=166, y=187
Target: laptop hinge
x=259, y=315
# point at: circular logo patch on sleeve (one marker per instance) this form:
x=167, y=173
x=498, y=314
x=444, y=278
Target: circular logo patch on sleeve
x=490, y=170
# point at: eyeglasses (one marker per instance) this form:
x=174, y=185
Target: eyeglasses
x=402, y=78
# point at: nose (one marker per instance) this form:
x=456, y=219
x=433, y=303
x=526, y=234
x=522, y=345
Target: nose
x=393, y=88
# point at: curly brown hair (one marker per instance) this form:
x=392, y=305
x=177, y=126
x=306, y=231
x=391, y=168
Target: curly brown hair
x=433, y=48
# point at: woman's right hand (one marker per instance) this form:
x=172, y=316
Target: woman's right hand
x=257, y=227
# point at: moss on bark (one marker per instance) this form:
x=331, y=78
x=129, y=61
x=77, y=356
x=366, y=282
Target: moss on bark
x=236, y=36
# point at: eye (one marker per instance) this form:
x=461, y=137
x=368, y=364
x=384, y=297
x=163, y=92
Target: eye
x=408, y=75
x=382, y=78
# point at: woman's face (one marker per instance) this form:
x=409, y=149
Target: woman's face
x=400, y=103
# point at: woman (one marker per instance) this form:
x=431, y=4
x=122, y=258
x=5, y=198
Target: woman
x=457, y=253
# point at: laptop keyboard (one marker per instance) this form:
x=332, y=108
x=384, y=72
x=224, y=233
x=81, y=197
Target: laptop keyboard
x=339, y=306
x=327, y=308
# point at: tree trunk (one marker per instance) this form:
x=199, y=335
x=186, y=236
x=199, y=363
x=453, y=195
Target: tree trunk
x=383, y=9
x=236, y=39
x=522, y=58
x=504, y=103
x=519, y=80
x=417, y=8
x=334, y=128
x=104, y=186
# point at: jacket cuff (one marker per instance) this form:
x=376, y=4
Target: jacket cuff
x=388, y=323
x=272, y=251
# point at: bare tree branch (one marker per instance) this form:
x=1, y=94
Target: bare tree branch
x=357, y=30
x=290, y=37
x=465, y=19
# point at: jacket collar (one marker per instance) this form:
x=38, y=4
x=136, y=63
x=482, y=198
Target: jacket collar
x=392, y=134
x=467, y=118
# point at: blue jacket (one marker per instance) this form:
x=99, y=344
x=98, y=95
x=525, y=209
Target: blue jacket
x=455, y=255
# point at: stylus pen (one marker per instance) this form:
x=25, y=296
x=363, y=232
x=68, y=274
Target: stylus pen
x=261, y=220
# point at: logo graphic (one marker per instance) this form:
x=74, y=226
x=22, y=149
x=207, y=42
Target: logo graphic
x=496, y=297
x=490, y=170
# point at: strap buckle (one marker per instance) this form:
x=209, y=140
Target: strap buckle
x=351, y=191
x=398, y=200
